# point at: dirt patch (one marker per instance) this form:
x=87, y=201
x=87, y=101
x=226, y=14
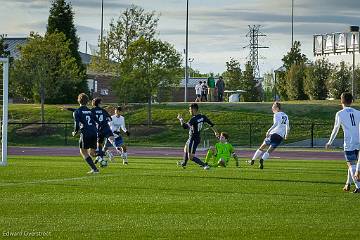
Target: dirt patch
x=146, y=131
x=36, y=130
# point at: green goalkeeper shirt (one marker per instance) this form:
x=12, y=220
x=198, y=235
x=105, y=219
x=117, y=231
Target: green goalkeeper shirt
x=223, y=150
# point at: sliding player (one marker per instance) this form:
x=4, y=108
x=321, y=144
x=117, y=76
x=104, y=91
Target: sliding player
x=85, y=122
x=116, y=125
x=348, y=118
x=221, y=153
x=274, y=136
x=194, y=125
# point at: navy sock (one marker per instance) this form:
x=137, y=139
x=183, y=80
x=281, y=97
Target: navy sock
x=198, y=161
x=91, y=163
x=186, y=158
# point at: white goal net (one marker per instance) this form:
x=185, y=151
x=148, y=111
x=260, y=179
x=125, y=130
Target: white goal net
x=4, y=103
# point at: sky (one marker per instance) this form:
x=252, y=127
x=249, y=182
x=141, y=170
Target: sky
x=217, y=28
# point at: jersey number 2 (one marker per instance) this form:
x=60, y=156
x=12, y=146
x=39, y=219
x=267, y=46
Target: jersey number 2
x=352, y=118
x=284, y=119
x=88, y=119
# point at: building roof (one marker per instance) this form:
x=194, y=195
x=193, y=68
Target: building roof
x=12, y=45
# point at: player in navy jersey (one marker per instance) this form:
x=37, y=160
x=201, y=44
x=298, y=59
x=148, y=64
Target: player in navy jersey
x=104, y=131
x=85, y=124
x=194, y=125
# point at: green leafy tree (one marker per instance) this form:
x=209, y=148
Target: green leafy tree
x=47, y=71
x=316, y=77
x=293, y=57
x=295, y=82
x=233, y=75
x=339, y=80
x=132, y=24
x=250, y=85
x=268, y=86
x=61, y=19
x=149, y=66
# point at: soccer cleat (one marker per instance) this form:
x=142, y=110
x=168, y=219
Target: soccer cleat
x=92, y=171
x=261, y=165
x=346, y=188
x=125, y=162
x=181, y=164
x=206, y=167
x=98, y=159
x=251, y=162
x=357, y=190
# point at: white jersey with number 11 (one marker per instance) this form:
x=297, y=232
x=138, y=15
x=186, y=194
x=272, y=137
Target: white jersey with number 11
x=348, y=119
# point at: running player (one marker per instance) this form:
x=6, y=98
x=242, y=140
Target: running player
x=85, y=122
x=104, y=131
x=274, y=136
x=117, y=124
x=221, y=153
x=348, y=118
x=194, y=125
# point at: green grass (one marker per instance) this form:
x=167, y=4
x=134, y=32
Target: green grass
x=153, y=199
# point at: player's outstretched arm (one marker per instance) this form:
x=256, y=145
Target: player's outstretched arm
x=334, y=131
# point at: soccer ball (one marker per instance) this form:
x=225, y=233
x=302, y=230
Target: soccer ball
x=103, y=163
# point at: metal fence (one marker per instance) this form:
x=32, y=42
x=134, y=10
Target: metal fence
x=244, y=134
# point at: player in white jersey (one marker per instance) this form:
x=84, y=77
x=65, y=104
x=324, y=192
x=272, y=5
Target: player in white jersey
x=274, y=136
x=348, y=118
x=117, y=124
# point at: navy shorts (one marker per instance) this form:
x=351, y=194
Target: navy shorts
x=192, y=145
x=88, y=141
x=273, y=140
x=351, y=156
x=118, y=142
x=103, y=134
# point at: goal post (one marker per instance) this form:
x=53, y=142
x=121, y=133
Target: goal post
x=4, y=107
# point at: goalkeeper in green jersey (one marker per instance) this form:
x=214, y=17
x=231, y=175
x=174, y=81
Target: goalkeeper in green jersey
x=220, y=155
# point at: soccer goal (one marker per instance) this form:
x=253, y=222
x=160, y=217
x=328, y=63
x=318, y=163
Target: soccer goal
x=4, y=100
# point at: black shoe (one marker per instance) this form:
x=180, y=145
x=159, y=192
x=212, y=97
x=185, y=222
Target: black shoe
x=261, y=165
x=251, y=162
x=357, y=190
x=181, y=164
x=346, y=188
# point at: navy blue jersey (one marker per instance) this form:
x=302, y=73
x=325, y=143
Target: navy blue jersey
x=196, y=124
x=85, y=121
x=102, y=116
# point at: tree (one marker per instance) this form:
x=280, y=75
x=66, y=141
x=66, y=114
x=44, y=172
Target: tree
x=294, y=56
x=149, y=66
x=233, y=75
x=268, y=86
x=47, y=71
x=339, y=81
x=316, y=77
x=295, y=82
x=61, y=19
x=250, y=85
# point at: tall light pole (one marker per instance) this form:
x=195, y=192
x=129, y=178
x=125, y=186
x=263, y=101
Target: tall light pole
x=102, y=25
x=292, y=23
x=354, y=30
x=186, y=49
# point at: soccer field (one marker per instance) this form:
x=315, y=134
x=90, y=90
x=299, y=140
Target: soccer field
x=152, y=198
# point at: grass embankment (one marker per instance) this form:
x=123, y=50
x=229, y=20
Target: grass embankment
x=246, y=123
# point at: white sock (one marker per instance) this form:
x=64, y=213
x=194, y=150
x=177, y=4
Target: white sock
x=352, y=171
x=265, y=156
x=257, y=154
x=358, y=166
x=349, y=178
